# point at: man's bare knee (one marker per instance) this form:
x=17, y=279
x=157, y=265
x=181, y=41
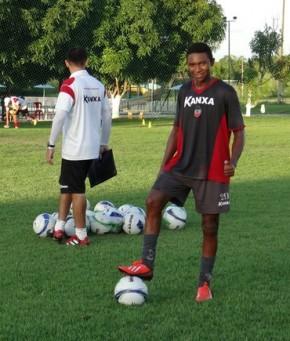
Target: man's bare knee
x=156, y=201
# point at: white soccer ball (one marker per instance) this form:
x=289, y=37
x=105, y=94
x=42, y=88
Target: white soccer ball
x=89, y=215
x=70, y=228
x=139, y=209
x=174, y=217
x=43, y=225
x=88, y=224
x=131, y=290
x=128, y=208
x=134, y=222
x=55, y=215
x=125, y=207
x=102, y=205
x=88, y=206
x=116, y=218
x=100, y=223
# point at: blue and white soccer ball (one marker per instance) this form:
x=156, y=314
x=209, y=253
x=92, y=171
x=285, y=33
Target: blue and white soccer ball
x=43, y=225
x=89, y=215
x=140, y=210
x=134, y=209
x=55, y=215
x=116, y=218
x=134, y=222
x=131, y=290
x=174, y=217
x=108, y=220
x=102, y=205
x=125, y=207
x=100, y=223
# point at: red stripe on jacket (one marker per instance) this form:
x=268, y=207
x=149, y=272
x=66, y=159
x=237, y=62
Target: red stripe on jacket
x=65, y=87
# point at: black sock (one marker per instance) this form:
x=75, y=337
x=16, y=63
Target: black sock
x=149, y=249
x=206, y=267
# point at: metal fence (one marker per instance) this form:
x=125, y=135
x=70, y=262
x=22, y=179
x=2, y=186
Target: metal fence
x=153, y=98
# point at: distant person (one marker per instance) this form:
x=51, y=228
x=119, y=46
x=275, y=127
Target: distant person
x=13, y=106
x=84, y=116
x=197, y=158
x=3, y=109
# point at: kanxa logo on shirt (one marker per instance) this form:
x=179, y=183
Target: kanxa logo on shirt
x=88, y=99
x=190, y=100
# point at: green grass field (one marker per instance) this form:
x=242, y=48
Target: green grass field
x=54, y=292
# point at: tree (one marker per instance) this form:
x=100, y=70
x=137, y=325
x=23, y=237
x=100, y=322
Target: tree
x=265, y=46
x=36, y=34
x=243, y=71
x=147, y=39
x=16, y=35
x=128, y=42
x=63, y=25
x=280, y=68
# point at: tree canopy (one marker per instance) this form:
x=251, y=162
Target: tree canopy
x=265, y=46
x=126, y=40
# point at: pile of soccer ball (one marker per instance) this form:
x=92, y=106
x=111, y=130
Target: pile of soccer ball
x=106, y=218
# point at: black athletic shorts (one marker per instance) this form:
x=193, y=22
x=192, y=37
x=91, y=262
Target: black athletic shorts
x=210, y=197
x=73, y=176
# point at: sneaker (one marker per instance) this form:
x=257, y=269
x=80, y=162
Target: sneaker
x=203, y=293
x=6, y=126
x=137, y=269
x=74, y=240
x=58, y=235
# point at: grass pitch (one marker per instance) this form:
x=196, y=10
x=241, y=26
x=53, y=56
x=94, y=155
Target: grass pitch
x=53, y=292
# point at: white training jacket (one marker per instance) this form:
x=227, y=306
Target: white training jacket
x=84, y=116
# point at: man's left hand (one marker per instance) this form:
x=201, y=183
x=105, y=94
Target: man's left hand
x=229, y=169
x=103, y=149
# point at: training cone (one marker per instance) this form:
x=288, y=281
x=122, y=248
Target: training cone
x=143, y=122
x=149, y=124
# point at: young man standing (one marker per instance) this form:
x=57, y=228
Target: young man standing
x=83, y=114
x=197, y=158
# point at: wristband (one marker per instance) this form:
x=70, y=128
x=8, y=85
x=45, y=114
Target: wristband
x=50, y=145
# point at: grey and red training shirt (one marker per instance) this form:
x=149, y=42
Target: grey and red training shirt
x=205, y=119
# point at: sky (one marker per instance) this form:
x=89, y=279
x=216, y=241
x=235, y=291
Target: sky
x=252, y=15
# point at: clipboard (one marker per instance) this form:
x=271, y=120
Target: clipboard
x=102, y=169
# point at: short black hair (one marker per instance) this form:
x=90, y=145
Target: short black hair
x=77, y=55
x=199, y=48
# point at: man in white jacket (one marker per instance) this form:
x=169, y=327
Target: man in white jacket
x=83, y=115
